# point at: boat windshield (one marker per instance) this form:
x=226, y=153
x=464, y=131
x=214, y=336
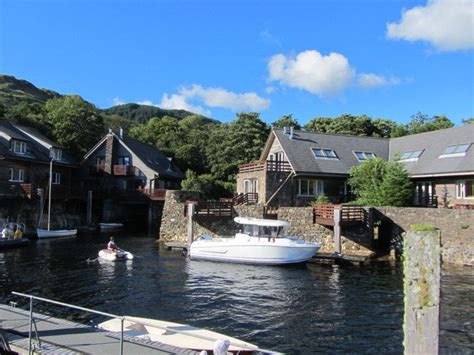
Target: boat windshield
x=262, y=231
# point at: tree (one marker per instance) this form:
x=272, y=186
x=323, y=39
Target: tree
x=75, y=123
x=29, y=114
x=379, y=183
x=286, y=121
x=352, y=125
x=235, y=143
x=467, y=121
x=421, y=123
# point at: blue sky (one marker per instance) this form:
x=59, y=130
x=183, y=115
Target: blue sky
x=310, y=58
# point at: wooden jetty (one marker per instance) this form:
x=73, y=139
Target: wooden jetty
x=59, y=336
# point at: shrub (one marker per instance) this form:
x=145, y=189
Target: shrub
x=422, y=227
x=322, y=199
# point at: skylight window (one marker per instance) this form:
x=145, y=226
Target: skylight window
x=458, y=150
x=363, y=156
x=411, y=155
x=326, y=154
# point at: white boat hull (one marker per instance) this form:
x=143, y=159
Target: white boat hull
x=119, y=255
x=44, y=233
x=187, y=337
x=253, y=250
x=106, y=226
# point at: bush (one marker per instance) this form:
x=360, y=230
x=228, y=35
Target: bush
x=322, y=199
x=422, y=227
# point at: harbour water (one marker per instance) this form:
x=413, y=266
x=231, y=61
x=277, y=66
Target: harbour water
x=298, y=310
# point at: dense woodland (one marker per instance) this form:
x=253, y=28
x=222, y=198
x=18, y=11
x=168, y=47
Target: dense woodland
x=208, y=150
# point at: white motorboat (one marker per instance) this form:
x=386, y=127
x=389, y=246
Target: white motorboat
x=174, y=334
x=117, y=255
x=45, y=233
x=107, y=226
x=260, y=241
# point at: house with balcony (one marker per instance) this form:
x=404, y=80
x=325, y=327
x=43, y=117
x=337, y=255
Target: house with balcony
x=25, y=157
x=297, y=166
x=121, y=164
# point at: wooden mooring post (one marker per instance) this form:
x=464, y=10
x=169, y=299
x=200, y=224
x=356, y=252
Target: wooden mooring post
x=89, y=208
x=337, y=231
x=422, y=268
x=191, y=206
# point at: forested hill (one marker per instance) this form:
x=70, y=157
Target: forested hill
x=14, y=91
x=142, y=113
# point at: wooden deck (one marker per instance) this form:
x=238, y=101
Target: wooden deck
x=59, y=336
x=350, y=214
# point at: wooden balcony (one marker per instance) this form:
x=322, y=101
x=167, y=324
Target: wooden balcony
x=124, y=170
x=141, y=194
x=269, y=165
x=10, y=189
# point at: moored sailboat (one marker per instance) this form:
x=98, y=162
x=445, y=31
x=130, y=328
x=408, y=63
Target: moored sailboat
x=49, y=233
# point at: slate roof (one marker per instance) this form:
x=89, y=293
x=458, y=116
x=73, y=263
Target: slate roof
x=433, y=144
x=301, y=157
x=152, y=157
x=35, y=151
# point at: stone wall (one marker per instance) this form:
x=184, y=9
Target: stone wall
x=456, y=226
x=174, y=225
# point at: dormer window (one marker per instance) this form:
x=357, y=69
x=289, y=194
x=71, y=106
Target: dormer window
x=363, y=156
x=56, y=153
x=455, y=150
x=19, y=147
x=411, y=155
x=324, y=154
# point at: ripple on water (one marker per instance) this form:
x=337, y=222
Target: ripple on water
x=308, y=309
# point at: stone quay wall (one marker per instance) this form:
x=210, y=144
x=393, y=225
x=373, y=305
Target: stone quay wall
x=456, y=226
x=355, y=241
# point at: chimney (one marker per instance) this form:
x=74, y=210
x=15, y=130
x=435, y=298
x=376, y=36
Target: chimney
x=292, y=132
x=121, y=133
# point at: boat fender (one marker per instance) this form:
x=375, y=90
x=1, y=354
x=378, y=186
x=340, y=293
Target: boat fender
x=221, y=346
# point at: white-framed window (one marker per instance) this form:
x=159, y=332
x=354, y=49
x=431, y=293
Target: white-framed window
x=19, y=147
x=363, y=156
x=56, y=178
x=453, y=151
x=309, y=187
x=324, y=153
x=56, y=153
x=17, y=175
x=465, y=189
x=411, y=155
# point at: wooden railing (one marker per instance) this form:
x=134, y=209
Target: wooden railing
x=428, y=201
x=269, y=165
x=27, y=190
x=124, y=170
x=245, y=198
x=213, y=209
x=154, y=194
x=350, y=214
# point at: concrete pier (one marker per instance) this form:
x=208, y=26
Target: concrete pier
x=59, y=336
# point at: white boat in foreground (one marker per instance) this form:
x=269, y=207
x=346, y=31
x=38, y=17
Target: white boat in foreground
x=260, y=241
x=106, y=226
x=175, y=334
x=118, y=255
x=45, y=233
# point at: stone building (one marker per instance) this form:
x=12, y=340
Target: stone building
x=297, y=166
x=119, y=162
x=25, y=157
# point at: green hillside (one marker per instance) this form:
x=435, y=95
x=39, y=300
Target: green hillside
x=142, y=113
x=14, y=91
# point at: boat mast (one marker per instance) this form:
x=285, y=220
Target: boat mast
x=49, y=191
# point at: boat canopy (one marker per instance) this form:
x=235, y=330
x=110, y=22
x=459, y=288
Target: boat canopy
x=261, y=222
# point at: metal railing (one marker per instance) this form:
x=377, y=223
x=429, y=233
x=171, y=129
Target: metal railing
x=122, y=320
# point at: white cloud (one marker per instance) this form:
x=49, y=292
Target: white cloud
x=219, y=97
x=178, y=102
x=117, y=101
x=312, y=71
x=270, y=89
x=371, y=80
x=447, y=24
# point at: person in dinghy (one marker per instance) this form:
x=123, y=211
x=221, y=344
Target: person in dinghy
x=112, y=246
